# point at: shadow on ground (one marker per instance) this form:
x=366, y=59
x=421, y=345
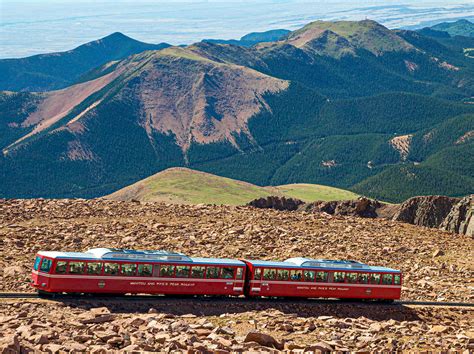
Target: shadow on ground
x=217, y=306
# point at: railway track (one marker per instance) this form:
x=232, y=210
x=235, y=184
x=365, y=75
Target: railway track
x=145, y=298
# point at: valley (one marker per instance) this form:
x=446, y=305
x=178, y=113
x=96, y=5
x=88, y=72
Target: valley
x=347, y=104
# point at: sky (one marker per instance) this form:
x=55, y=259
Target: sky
x=30, y=27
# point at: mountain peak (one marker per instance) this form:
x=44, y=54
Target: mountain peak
x=366, y=34
x=460, y=27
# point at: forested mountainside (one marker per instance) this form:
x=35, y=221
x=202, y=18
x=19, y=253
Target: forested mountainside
x=456, y=28
x=386, y=113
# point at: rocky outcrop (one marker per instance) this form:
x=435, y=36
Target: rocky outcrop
x=429, y=211
x=449, y=214
x=277, y=203
x=461, y=217
x=363, y=207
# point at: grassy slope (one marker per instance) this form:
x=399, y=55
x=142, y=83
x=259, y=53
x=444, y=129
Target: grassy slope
x=312, y=192
x=182, y=185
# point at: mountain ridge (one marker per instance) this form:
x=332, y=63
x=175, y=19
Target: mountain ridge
x=52, y=71
x=337, y=110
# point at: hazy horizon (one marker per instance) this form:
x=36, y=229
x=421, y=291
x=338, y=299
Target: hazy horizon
x=43, y=26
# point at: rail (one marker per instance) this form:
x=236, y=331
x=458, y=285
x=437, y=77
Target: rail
x=234, y=299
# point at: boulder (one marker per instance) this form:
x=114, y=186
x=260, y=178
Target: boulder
x=363, y=207
x=429, y=211
x=460, y=219
x=10, y=344
x=278, y=203
x=263, y=339
x=12, y=271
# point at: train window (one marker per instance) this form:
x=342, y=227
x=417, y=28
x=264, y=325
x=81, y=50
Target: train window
x=77, y=267
x=296, y=275
x=322, y=276
x=282, y=274
x=94, y=268
x=269, y=274
x=61, y=267
x=166, y=270
x=145, y=270
x=351, y=277
x=129, y=269
x=37, y=263
x=363, y=278
x=212, y=272
x=182, y=271
x=258, y=274
x=387, y=279
x=46, y=265
x=240, y=273
x=374, y=278
x=309, y=275
x=111, y=268
x=227, y=273
x=396, y=279
x=339, y=277
x=197, y=272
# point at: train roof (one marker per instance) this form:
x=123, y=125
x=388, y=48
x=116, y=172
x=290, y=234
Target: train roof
x=329, y=264
x=111, y=254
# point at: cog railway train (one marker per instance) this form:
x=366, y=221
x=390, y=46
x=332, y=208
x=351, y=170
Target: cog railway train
x=119, y=271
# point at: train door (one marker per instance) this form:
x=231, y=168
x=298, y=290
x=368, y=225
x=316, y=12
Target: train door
x=239, y=279
x=255, y=282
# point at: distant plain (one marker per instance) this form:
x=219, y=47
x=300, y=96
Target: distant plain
x=33, y=27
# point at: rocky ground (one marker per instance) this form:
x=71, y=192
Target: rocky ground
x=437, y=266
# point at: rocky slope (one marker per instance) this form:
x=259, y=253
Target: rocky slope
x=436, y=265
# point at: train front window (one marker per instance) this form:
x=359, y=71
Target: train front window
x=212, y=272
x=182, y=271
x=387, y=279
x=94, y=268
x=240, y=273
x=282, y=274
x=46, y=265
x=76, y=267
x=322, y=276
x=296, y=275
x=129, y=269
x=339, y=277
x=374, y=278
x=396, y=279
x=309, y=275
x=197, y=272
x=166, y=270
x=363, y=278
x=351, y=277
x=145, y=270
x=111, y=268
x=258, y=274
x=227, y=273
x=61, y=267
x=37, y=263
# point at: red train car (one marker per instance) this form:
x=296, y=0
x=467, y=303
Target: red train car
x=116, y=271
x=312, y=278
